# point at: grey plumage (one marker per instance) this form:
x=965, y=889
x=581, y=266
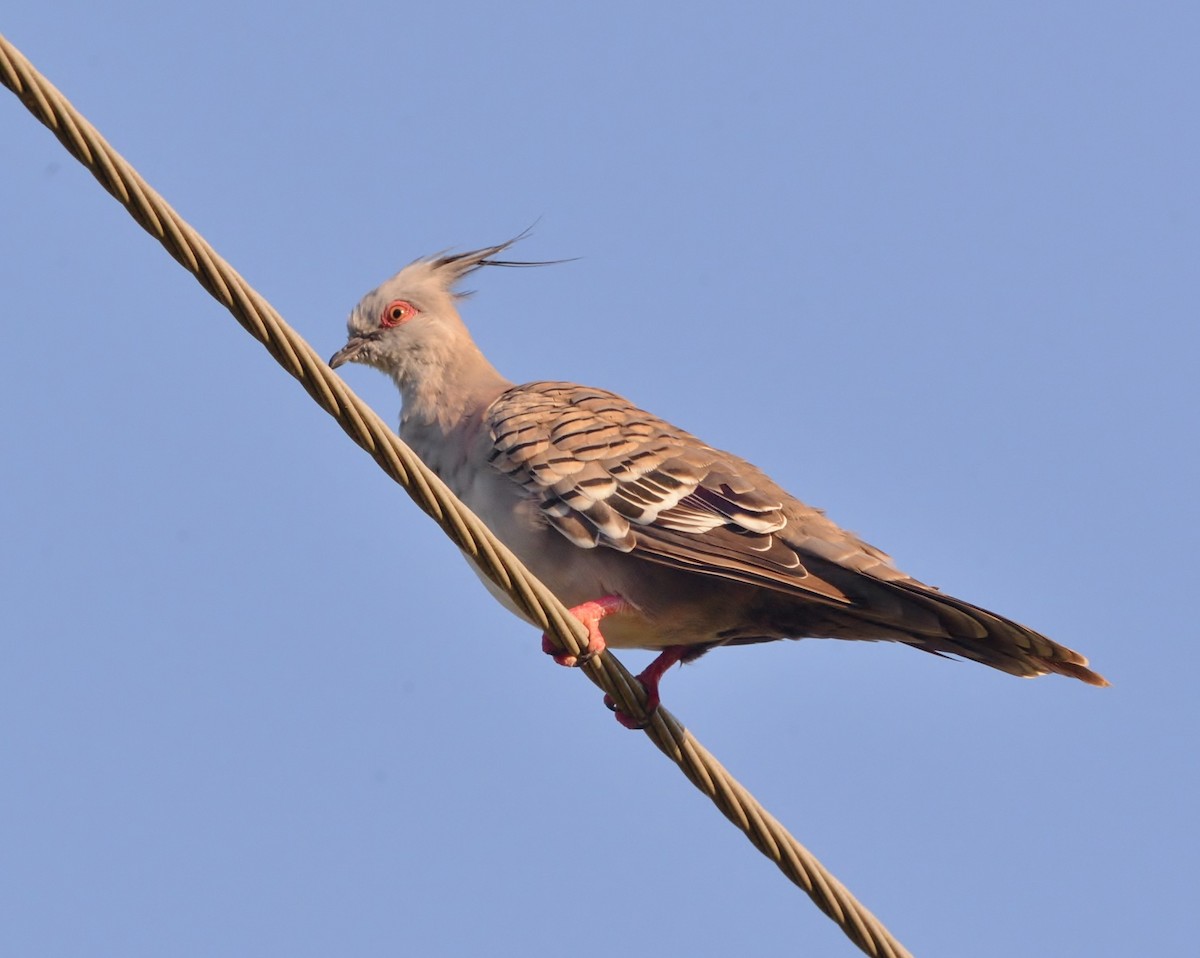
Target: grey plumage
x=600, y=498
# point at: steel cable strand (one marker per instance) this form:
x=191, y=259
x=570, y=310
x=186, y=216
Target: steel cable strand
x=359, y=422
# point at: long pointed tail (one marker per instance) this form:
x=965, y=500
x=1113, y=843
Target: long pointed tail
x=974, y=633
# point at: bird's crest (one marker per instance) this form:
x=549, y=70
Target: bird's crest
x=450, y=268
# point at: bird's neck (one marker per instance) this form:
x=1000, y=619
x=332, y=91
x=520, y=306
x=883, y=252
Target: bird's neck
x=444, y=393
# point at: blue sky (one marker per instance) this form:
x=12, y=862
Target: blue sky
x=931, y=265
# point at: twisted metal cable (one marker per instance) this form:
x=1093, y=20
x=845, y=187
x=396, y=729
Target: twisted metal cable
x=262, y=322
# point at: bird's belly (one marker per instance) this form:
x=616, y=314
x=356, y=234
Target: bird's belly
x=627, y=630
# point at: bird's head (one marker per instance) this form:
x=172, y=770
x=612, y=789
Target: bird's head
x=412, y=320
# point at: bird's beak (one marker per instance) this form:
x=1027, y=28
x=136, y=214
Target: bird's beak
x=349, y=352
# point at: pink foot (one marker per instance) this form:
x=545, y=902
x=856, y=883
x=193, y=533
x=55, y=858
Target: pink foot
x=650, y=677
x=590, y=614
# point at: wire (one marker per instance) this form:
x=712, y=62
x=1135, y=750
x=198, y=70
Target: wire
x=361, y=424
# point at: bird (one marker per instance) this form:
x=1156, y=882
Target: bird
x=652, y=538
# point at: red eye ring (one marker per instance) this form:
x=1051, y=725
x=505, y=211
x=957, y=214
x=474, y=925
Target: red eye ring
x=396, y=312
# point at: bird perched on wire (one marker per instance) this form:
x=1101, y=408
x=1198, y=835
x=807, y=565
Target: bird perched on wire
x=675, y=545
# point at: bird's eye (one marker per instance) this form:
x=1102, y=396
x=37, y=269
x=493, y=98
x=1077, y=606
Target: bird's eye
x=396, y=312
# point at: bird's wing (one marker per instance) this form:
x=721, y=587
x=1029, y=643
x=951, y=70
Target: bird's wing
x=607, y=474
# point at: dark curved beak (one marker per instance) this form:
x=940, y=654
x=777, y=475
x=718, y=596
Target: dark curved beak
x=349, y=352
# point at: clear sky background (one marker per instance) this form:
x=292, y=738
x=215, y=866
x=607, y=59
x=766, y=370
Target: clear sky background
x=932, y=265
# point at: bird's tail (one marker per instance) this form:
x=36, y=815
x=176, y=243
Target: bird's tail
x=971, y=632
x=906, y=610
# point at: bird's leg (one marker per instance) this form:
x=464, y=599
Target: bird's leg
x=590, y=614
x=650, y=676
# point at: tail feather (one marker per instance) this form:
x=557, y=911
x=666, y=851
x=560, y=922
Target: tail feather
x=906, y=610
x=1078, y=670
x=983, y=636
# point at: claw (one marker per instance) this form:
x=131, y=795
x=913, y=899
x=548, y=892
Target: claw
x=649, y=679
x=590, y=614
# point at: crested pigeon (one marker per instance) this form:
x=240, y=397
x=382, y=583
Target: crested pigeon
x=678, y=546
